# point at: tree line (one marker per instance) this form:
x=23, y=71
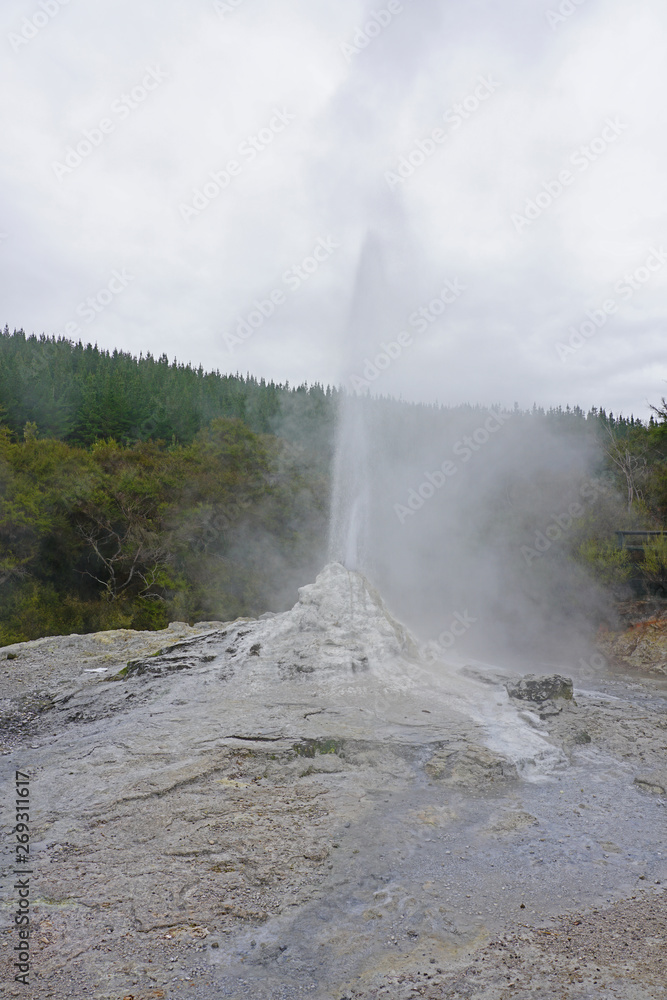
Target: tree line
x=135, y=491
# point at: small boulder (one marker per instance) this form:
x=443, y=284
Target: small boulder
x=540, y=689
x=473, y=767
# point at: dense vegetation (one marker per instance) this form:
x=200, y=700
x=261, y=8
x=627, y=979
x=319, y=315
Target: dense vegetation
x=134, y=491
x=81, y=395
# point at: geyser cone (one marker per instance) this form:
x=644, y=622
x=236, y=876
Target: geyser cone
x=340, y=628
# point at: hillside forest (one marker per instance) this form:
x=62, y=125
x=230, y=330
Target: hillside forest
x=138, y=491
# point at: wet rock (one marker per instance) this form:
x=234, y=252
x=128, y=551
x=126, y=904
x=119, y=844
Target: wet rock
x=184, y=655
x=470, y=768
x=541, y=689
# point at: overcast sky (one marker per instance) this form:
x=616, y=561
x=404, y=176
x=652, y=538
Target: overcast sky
x=504, y=163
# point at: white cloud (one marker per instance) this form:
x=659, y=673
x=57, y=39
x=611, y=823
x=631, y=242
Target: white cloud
x=325, y=174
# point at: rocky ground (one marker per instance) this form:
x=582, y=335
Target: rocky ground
x=618, y=951
x=302, y=806
x=641, y=641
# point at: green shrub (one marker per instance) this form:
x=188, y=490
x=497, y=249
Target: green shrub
x=149, y=616
x=605, y=561
x=654, y=562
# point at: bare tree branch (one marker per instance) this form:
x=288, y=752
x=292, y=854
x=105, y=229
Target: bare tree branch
x=660, y=410
x=632, y=467
x=126, y=556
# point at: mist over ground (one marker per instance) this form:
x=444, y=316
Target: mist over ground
x=465, y=519
x=473, y=517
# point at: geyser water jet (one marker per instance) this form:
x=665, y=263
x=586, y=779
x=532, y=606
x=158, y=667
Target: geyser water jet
x=350, y=498
x=350, y=506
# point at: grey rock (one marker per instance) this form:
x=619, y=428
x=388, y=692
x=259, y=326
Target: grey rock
x=540, y=689
x=472, y=767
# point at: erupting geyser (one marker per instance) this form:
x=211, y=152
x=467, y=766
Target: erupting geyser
x=350, y=498
x=340, y=627
x=350, y=502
